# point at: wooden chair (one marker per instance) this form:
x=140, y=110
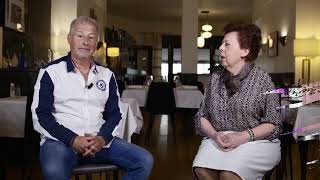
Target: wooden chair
x=89, y=169
x=160, y=100
x=121, y=87
x=21, y=153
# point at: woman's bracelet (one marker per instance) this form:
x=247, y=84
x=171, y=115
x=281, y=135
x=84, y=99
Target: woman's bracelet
x=251, y=134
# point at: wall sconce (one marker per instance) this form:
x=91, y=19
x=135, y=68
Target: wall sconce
x=19, y=27
x=270, y=42
x=113, y=51
x=283, y=40
x=273, y=44
x=306, y=48
x=263, y=49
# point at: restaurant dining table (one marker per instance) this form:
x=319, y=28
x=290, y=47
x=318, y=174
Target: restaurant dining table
x=307, y=120
x=132, y=119
x=12, y=116
x=185, y=96
x=13, y=110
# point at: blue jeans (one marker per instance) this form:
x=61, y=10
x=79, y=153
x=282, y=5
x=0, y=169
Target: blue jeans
x=57, y=159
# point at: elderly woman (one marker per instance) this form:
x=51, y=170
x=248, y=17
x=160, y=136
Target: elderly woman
x=238, y=120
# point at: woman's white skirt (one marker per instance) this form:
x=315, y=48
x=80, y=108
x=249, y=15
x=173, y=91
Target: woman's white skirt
x=250, y=160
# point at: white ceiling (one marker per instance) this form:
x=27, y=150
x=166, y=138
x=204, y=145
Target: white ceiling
x=166, y=10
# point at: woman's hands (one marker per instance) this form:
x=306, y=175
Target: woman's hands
x=228, y=142
x=220, y=139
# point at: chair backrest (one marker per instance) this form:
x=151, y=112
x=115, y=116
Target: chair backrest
x=21, y=152
x=200, y=87
x=31, y=137
x=160, y=98
x=121, y=86
x=189, y=78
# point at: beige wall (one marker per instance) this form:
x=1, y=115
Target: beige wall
x=147, y=33
x=100, y=11
x=150, y=32
x=189, y=49
x=135, y=27
x=63, y=12
x=270, y=16
x=308, y=26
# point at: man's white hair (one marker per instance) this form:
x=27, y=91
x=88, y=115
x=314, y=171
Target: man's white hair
x=82, y=20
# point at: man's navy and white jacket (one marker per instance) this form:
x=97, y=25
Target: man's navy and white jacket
x=65, y=106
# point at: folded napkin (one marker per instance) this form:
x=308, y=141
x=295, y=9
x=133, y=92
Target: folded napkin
x=189, y=87
x=135, y=86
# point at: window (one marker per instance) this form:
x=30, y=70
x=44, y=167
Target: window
x=203, y=61
x=203, y=64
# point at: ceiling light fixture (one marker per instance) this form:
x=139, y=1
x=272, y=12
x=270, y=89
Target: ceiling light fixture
x=200, y=41
x=206, y=27
x=206, y=34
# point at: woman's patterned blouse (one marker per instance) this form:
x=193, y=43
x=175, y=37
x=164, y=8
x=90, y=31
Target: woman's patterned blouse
x=247, y=108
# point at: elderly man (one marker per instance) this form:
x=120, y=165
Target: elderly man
x=76, y=108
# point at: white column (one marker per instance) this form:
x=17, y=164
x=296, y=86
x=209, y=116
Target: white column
x=156, y=62
x=62, y=13
x=189, y=36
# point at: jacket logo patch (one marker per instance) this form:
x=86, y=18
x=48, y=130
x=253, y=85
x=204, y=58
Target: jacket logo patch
x=101, y=85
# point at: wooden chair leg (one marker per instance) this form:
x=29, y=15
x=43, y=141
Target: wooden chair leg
x=115, y=174
x=89, y=176
x=290, y=161
x=2, y=173
x=100, y=175
x=303, y=148
x=267, y=176
x=27, y=174
x=281, y=167
x=76, y=177
x=107, y=176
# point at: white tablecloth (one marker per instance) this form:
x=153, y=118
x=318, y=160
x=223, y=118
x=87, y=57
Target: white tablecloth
x=132, y=120
x=185, y=98
x=12, y=118
x=307, y=116
x=139, y=94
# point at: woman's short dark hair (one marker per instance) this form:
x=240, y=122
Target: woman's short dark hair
x=249, y=37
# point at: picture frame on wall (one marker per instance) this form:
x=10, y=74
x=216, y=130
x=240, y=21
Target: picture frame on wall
x=273, y=44
x=14, y=15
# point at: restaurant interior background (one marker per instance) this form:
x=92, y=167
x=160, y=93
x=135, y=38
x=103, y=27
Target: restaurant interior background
x=143, y=30
x=159, y=37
